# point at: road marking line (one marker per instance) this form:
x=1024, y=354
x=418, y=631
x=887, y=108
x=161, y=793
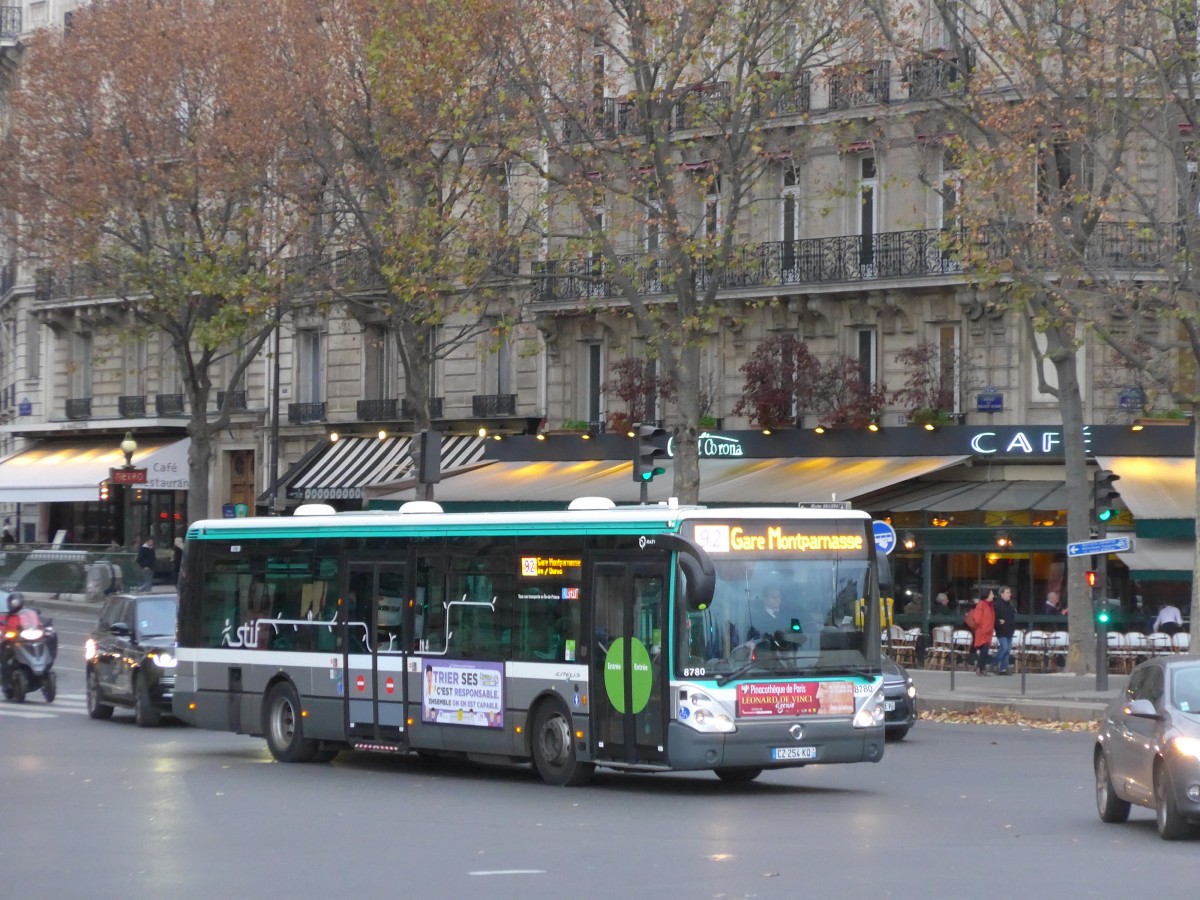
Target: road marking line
x=509, y=872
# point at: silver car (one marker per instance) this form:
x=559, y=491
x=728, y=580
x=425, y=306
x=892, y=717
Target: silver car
x=1148, y=750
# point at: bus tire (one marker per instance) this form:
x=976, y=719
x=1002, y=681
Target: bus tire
x=283, y=726
x=553, y=748
x=738, y=774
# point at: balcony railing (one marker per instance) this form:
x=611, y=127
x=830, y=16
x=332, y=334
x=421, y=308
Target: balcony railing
x=79, y=408
x=789, y=95
x=847, y=258
x=304, y=413
x=849, y=88
x=485, y=406
x=703, y=105
x=131, y=406
x=935, y=77
x=435, y=408
x=377, y=410
x=237, y=402
x=10, y=22
x=169, y=404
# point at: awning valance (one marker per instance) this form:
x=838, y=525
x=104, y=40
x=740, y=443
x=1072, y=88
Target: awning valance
x=346, y=466
x=1154, y=560
x=724, y=481
x=959, y=496
x=71, y=471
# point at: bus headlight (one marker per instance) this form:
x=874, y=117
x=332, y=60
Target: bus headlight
x=701, y=712
x=870, y=714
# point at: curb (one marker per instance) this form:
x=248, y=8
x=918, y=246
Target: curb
x=1041, y=710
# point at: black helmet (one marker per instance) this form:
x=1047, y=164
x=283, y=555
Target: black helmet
x=16, y=601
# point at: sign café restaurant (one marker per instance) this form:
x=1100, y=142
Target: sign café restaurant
x=970, y=507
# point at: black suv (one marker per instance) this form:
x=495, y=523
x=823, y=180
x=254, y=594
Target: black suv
x=130, y=656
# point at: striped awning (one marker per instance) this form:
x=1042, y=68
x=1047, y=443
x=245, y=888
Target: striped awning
x=344, y=467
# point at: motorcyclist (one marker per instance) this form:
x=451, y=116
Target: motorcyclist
x=12, y=625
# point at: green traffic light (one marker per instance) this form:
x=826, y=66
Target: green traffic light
x=1102, y=617
x=1105, y=514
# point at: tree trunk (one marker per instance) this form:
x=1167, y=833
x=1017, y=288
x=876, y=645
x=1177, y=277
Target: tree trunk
x=1194, y=621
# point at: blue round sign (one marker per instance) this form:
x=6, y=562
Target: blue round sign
x=885, y=536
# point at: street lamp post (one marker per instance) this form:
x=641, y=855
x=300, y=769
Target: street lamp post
x=128, y=447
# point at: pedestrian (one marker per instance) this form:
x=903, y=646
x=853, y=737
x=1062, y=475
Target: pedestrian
x=145, y=561
x=1051, y=608
x=982, y=622
x=1006, y=625
x=177, y=557
x=7, y=534
x=1169, y=620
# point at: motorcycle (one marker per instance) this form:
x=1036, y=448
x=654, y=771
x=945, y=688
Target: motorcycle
x=28, y=648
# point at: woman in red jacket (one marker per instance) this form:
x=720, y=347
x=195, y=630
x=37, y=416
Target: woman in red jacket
x=982, y=621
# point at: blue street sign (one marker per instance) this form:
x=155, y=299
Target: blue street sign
x=1104, y=545
x=885, y=536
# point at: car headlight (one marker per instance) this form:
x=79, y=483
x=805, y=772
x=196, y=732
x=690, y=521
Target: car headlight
x=1187, y=746
x=163, y=659
x=89, y=649
x=911, y=690
x=701, y=712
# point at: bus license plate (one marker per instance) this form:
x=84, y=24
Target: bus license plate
x=889, y=705
x=794, y=753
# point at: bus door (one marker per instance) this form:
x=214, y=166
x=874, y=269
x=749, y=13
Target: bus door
x=627, y=658
x=376, y=652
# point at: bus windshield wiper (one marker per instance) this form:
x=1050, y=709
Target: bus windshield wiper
x=861, y=671
x=736, y=673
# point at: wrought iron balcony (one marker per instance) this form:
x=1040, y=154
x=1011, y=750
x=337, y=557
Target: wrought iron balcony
x=377, y=410
x=485, y=406
x=10, y=22
x=853, y=86
x=936, y=76
x=848, y=258
x=237, y=402
x=435, y=408
x=169, y=404
x=304, y=413
x=703, y=105
x=79, y=408
x=131, y=406
x=788, y=95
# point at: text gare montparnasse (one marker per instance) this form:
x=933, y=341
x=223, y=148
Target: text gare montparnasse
x=775, y=538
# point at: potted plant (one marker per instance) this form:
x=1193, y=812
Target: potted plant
x=929, y=390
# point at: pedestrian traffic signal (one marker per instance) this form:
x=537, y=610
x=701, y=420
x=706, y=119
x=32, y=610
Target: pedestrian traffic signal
x=1104, y=494
x=646, y=452
x=1091, y=579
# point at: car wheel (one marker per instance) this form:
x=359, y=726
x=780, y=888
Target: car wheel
x=554, y=754
x=896, y=734
x=738, y=774
x=1111, y=807
x=50, y=687
x=144, y=711
x=283, y=728
x=96, y=709
x=1171, y=824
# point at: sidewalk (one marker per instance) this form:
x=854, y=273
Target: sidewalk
x=1035, y=695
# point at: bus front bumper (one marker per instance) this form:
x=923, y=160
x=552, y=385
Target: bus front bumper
x=774, y=745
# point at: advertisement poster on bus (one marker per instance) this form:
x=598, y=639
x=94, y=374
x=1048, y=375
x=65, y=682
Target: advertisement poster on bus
x=796, y=698
x=457, y=692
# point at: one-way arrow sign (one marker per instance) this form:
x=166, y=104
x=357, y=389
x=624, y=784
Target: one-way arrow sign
x=1104, y=545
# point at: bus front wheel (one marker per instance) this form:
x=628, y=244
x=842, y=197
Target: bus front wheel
x=282, y=726
x=553, y=748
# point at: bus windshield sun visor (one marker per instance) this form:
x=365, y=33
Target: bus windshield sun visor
x=698, y=570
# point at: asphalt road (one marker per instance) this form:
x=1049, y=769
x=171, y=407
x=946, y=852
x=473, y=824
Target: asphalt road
x=100, y=809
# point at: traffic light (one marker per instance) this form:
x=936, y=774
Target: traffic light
x=428, y=456
x=1091, y=579
x=1104, y=494
x=104, y=492
x=1103, y=616
x=646, y=452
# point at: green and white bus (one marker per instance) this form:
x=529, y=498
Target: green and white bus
x=625, y=637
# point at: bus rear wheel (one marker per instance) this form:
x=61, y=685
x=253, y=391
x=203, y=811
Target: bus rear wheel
x=553, y=748
x=282, y=726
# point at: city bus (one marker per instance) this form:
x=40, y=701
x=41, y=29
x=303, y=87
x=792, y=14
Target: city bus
x=629, y=638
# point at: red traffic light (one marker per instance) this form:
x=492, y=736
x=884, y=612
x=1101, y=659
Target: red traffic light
x=1091, y=579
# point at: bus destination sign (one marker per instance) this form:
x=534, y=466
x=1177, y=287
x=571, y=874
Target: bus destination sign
x=756, y=537
x=551, y=567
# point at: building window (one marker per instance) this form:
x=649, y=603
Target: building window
x=949, y=344
x=1052, y=175
x=712, y=207
x=949, y=186
x=309, y=388
x=789, y=218
x=135, y=368
x=497, y=360
x=594, y=383
x=33, y=346
x=653, y=221
x=868, y=188
x=81, y=364
x=865, y=352
x=378, y=368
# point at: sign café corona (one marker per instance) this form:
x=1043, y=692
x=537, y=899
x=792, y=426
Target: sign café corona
x=775, y=538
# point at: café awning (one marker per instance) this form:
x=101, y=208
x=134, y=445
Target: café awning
x=1160, y=560
x=722, y=481
x=1155, y=487
x=71, y=471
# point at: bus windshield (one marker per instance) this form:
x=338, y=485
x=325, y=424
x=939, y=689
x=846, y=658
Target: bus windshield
x=779, y=617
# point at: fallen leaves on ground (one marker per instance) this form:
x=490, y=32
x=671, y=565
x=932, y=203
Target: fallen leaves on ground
x=987, y=715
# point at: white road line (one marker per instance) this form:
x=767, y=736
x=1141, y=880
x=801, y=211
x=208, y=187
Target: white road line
x=509, y=872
